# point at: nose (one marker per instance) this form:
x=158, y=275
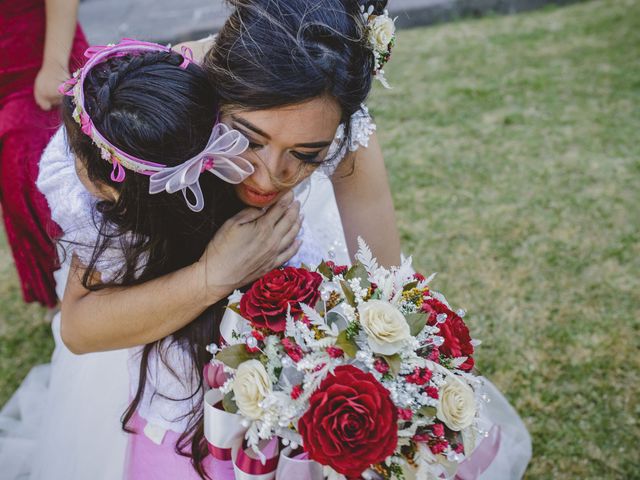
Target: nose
x=270, y=165
x=261, y=178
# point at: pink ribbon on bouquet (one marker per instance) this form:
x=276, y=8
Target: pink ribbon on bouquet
x=225, y=432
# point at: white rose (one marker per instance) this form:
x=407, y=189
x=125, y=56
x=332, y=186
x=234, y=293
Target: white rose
x=250, y=386
x=381, y=32
x=457, y=406
x=385, y=326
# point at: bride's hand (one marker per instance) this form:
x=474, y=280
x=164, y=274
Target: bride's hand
x=251, y=244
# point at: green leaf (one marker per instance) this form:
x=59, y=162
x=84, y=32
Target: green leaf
x=394, y=363
x=229, y=404
x=352, y=330
x=410, y=286
x=358, y=271
x=428, y=412
x=304, y=266
x=348, y=346
x=416, y=322
x=324, y=269
x=234, y=355
x=348, y=293
x=234, y=307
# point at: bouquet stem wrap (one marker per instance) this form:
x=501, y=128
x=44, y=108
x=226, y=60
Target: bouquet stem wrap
x=225, y=432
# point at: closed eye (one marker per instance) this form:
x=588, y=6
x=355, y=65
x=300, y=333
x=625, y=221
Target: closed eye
x=307, y=157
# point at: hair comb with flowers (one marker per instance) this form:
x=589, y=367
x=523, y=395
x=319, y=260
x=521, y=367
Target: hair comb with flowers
x=381, y=35
x=221, y=155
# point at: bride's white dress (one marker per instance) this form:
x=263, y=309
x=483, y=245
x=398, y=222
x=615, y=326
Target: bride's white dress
x=63, y=421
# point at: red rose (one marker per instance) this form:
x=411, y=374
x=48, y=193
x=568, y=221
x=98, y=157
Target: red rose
x=420, y=376
x=381, y=366
x=296, y=392
x=457, y=341
x=419, y=277
x=432, y=392
x=405, y=414
x=438, y=446
x=336, y=269
x=335, y=352
x=294, y=351
x=351, y=422
x=265, y=304
x=438, y=429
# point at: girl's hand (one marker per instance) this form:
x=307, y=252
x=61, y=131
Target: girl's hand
x=251, y=244
x=45, y=89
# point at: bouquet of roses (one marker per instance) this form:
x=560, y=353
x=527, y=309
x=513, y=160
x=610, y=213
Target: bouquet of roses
x=342, y=372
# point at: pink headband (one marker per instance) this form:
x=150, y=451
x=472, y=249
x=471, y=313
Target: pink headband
x=221, y=155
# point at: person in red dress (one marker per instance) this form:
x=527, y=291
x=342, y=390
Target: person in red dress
x=40, y=43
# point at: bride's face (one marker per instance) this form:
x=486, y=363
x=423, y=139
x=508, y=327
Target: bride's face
x=286, y=145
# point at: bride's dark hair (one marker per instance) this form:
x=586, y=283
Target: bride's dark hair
x=273, y=53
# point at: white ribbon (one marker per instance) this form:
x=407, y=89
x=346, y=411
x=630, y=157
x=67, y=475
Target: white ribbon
x=221, y=157
x=225, y=432
x=233, y=326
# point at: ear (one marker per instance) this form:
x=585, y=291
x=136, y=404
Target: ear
x=107, y=192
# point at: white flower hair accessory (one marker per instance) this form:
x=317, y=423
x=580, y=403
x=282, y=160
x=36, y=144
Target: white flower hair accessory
x=381, y=35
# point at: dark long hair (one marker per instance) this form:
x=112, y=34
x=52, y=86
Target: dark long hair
x=274, y=53
x=149, y=107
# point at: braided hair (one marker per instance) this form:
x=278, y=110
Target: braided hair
x=150, y=107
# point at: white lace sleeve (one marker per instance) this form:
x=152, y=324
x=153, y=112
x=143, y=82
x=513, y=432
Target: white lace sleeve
x=73, y=209
x=361, y=129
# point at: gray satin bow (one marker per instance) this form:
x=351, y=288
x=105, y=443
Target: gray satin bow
x=221, y=157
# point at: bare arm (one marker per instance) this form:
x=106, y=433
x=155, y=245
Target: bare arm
x=124, y=317
x=198, y=47
x=364, y=199
x=245, y=248
x=62, y=16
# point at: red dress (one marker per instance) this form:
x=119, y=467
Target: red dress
x=25, y=131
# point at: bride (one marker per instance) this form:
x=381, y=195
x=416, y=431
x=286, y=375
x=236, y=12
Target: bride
x=283, y=99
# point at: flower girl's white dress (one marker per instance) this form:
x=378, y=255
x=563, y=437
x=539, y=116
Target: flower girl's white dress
x=63, y=421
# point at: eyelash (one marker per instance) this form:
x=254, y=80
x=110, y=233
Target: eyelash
x=306, y=158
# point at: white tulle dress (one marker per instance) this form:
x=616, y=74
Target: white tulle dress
x=63, y=423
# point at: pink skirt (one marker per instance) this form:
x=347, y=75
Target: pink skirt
x=147, y=459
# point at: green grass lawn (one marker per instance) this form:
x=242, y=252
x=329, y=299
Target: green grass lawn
x=25, y=334
x=513, y=149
